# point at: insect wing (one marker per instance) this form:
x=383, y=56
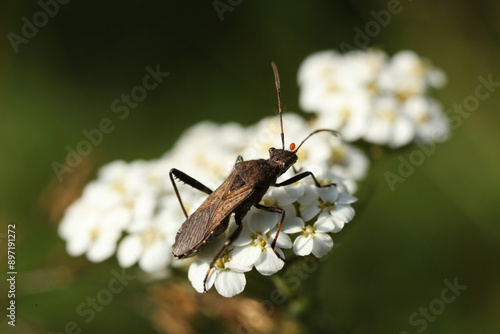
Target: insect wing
x=229, y=202
x=209, y=216
x=189, y=235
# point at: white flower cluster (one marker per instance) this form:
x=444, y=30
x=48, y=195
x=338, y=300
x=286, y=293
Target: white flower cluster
x=131, y=208
x=367, y=95
x=125, y=197
x=311, y=214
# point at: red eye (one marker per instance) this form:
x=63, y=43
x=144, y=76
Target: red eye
x=292, y=146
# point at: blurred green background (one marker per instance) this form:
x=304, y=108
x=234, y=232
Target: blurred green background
x=440, y=224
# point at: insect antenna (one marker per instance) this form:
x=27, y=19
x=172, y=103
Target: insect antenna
x=314, y=132
x=277, y=81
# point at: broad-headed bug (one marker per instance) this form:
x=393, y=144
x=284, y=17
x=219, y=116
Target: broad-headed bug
x=244, y=188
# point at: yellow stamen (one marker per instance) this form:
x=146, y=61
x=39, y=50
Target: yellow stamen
x=219, y=263
x=94, y=233
x=423, y=118
x=388, y=115
x=269, y=202
x=149, y=237
x=119, y=187
x=308, y=230
x=339, y=155
x=345, y=114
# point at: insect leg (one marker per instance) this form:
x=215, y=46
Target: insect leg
x=188, y=180
x=295, y=170
x=239, y=159
x=300, y=176
x=229, y=241
x=275, y=210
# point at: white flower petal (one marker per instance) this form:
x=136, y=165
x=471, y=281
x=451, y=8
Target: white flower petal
x=100, y=251
x=286, y=200
x=144, y=204
x=129, y=251
x=236, y=266
x=324, y=223
x=323, y=244
x=404, y=132
x=283, y=240
x=309, y=211
x=290, y=211
x=345, y=198
x=339, y=225
x=280, y=196
x=211, y=277
x=118, y=217
x=328, y=194
x=436, y=77
x=230, y=283
x=293, y=225
x=244, y=238
x=343, y=212
x=76, y=246
x=303, y=246
x=295, y=190
x=155, y=257
x=378, y=132
x=260, y=221
x=211, y=249
x=196, y=275
x=310, y=195
x=246, y=256
x=269, y=263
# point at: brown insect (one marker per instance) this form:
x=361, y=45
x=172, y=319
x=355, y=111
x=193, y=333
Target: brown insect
x=244, y=188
